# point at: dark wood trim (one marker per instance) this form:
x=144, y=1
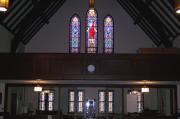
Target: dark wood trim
x=111, y=67
x=6, y=101
x=72, y=86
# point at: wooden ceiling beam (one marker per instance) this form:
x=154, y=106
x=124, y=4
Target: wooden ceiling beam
x=154, y=21
x=36, y=18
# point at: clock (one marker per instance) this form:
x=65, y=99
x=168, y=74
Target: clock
x=91, y=68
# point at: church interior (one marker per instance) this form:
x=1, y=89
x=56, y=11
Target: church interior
x=89, y=59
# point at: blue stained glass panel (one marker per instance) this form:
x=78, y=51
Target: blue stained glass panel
x=108, y=35
x=75, y=34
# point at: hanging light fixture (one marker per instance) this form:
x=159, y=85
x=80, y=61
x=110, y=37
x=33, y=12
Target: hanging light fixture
x=91, y=4
x=38, y=88
x=4, y=5
x=177, y=6
x=145, y=89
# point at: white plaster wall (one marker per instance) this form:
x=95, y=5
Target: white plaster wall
x=54, y=37
x=5, y=40
x=131, y=103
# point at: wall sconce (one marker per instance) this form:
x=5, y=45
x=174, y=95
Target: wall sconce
x=145, y=89
x=4, y=4
x=38, y=88
x=177, y=6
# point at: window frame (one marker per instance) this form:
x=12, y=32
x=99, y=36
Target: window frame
x=106, y=102
x=83, y=101
x=46, y=101
x=70, y=34
x=110, y=101
x=102, y=101
x=86, y=35
x=104, y=34
x=71, y=101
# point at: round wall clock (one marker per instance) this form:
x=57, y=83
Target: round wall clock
x=91, y=68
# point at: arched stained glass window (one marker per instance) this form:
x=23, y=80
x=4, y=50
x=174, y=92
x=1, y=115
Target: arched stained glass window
x=108, y=35
x=75, y=34
x=91, y=31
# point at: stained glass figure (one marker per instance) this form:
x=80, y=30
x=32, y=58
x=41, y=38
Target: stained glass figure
x=108, y=35
x=75, y=34
x=91, y=31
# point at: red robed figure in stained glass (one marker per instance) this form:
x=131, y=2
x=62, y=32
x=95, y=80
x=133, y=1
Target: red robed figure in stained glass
x=92, y=31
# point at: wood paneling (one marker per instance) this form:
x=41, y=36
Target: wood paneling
x=164, y=67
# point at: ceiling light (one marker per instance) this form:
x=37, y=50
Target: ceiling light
x=177, y=6
x=37, y=89
x=145, y=89
x=178, y=11
x=4, y=5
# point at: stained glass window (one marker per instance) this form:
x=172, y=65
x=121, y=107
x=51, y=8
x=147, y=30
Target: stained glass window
x=71, y=101
x=46, y=100
x=50, y=101
x=80, y=101
x=108, y=35
x=75, y=34
x=91, y=31
x=110, y=101
x=139, y=102
x=101, y=101
x=42, y=101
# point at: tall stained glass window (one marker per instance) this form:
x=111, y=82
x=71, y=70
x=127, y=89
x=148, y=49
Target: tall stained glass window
x=101, y=101
x=91, y=31
x=75, y=34
x=50, y=101
x=80, y=101
x=110, y=101
x=71, y=101
x=108, y=35
x=42, y=102
x=46, y=102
